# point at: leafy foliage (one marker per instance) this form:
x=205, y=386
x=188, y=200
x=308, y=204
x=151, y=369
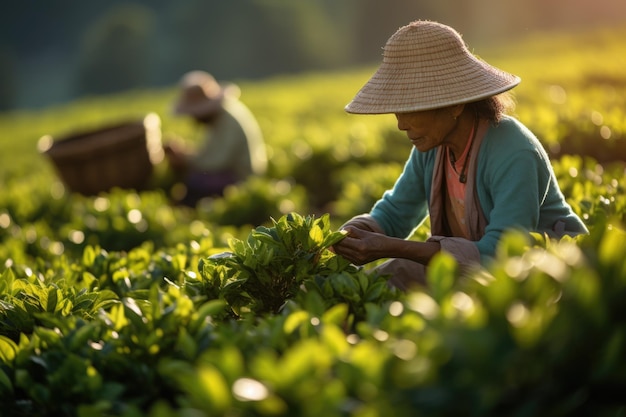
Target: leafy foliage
x=124, y=305
x=269, y=267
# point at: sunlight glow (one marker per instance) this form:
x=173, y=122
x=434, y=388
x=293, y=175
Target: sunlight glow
x=247, y=389
x=44, y=143
x=549, y=264
x=286, y=206
x=557, y=94
x=396, y=308
x=101, y=203
x=517, y=315
x=282, y=187
x=596, y=118
x=198, y=228
x=423, y=304
x=463, y=302
x=96, y=345
x=134, y=216
x=605, y=132
x=381, y=335
x=76, y=236
x=56, y=248
x=301, y=149
x=405, y=349
x=5, y=220
x=57, y=190
x=517, y=268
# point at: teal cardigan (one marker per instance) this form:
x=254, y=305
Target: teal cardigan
x=515, y=184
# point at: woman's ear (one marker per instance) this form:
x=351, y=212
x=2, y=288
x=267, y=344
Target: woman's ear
x=456, y=110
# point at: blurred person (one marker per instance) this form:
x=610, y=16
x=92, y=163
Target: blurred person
x=233, y=148
x=475, y=170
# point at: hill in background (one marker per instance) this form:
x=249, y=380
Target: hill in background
x=56, y=52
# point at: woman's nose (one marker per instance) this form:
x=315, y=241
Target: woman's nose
x=402, y=125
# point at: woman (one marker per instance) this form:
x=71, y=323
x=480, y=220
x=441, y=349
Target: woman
x=476, y=171
x=233, y=148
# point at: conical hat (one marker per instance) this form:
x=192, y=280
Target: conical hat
x=426, y=65
x=201, y=94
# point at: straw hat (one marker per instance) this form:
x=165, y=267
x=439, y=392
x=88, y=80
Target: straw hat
x=202, y=95
x=426, y=65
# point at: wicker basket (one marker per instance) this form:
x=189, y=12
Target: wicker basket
x=120, y=155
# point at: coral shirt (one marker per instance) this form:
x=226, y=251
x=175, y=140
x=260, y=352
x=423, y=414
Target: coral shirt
x=455, y=199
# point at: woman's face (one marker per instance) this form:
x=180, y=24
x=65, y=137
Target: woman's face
x=429, y=128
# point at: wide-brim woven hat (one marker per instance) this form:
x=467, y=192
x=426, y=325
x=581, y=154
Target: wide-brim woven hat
x=202, y=95
x=426, y=65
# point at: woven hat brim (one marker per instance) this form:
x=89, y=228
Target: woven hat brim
x=198, y=109
x=391, y=90
x=207, y=105
x=426, y=65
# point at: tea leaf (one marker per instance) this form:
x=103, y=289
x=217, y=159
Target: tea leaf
x=316, y=237
x=333, y=238
x=294, y=320
x=441, y=275
x=336, y=315
x=8, y=349
x=5, y=383
x=6, y=281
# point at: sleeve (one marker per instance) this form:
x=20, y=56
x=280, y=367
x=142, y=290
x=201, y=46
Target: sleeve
x=517, y=186
x=403, y=208
x=364, y=222
x=221, y=147
x=464, y=251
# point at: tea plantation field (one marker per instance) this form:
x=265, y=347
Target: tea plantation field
x=123, y=304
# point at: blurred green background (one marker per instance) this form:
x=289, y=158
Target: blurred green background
x=78, y=67
x=56, y=51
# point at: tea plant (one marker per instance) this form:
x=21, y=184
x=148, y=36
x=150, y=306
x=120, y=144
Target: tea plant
x=268, y=268
x=123, y=304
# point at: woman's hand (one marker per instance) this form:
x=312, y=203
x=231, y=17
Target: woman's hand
x=176, y=157
x=361, y=246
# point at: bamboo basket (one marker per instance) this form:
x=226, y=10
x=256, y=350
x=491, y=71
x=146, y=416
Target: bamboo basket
x=119, y=155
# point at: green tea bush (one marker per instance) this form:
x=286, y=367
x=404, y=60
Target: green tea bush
x=362, y=187
x=264, y=271
x=253, y=202
x=539, y=332
x=123, y=304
